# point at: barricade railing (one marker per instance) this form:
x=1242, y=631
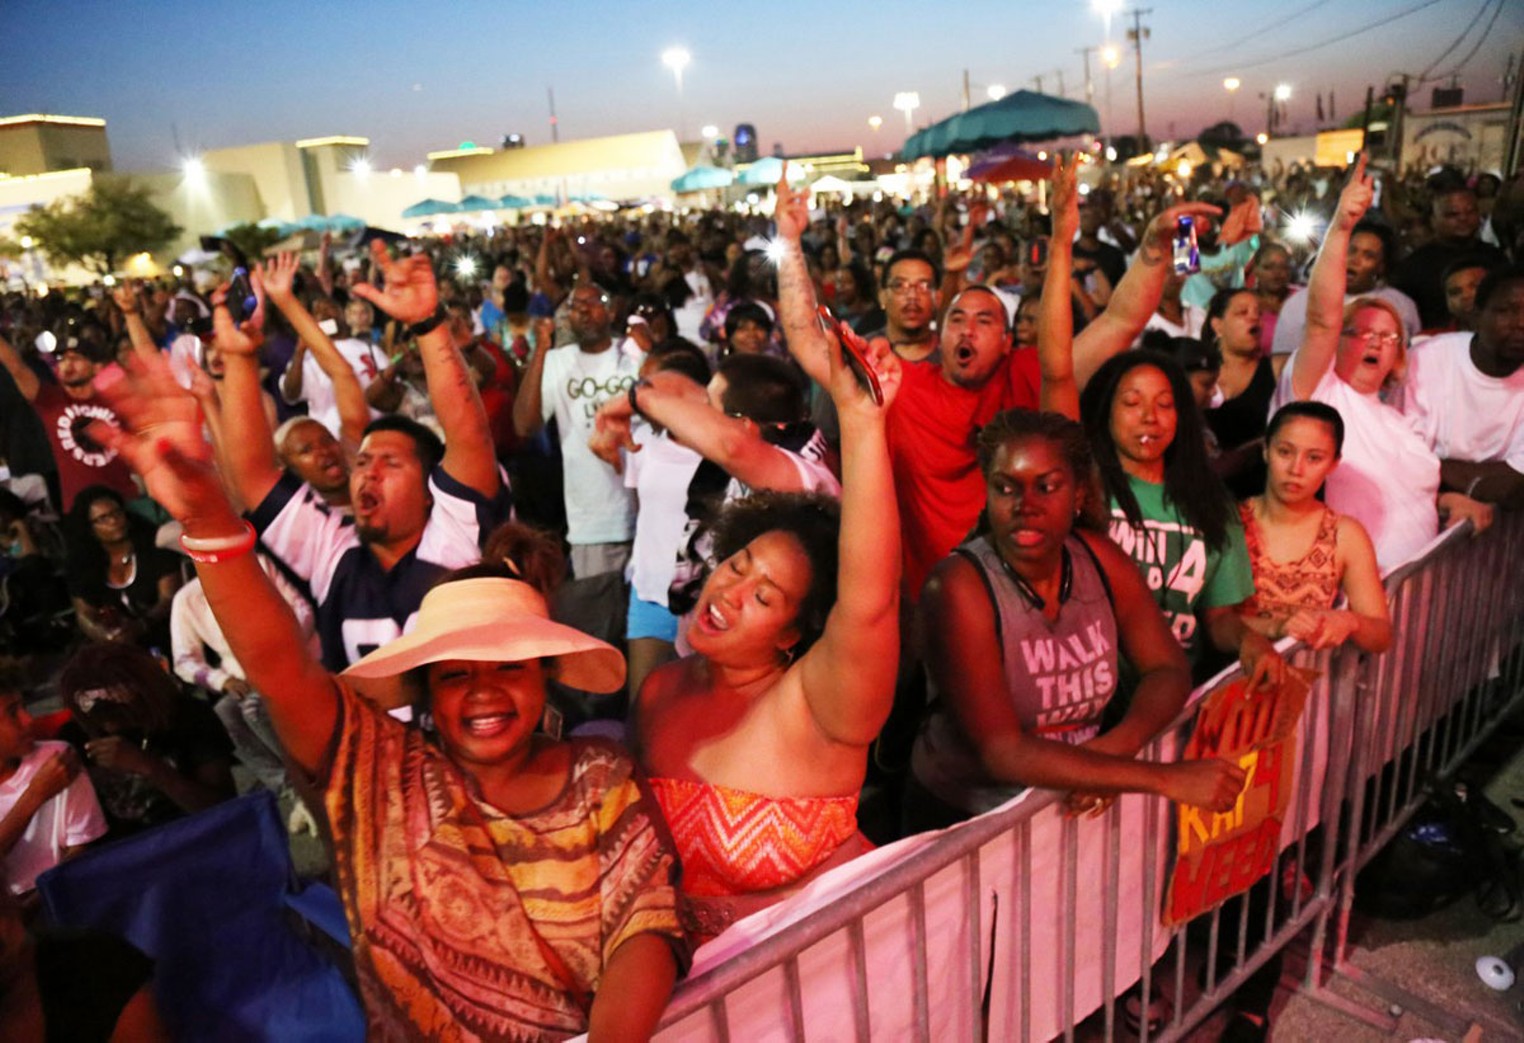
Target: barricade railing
x=1024, y=922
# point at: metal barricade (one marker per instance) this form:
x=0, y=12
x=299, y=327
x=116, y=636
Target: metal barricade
x=1023, y=923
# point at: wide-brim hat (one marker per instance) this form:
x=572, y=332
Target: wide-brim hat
x=495, y=621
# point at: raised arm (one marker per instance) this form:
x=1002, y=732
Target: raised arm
x=160, y=438
x=680, y=405
x=129, y=302
x=1136, y=297
x=848, y=676
x=528, y=402
x=1325, y=286
x=797, y=305
x=27, y=382
x=411, y=296
x=248, y=442
x=279, y=277
x=1055, y=319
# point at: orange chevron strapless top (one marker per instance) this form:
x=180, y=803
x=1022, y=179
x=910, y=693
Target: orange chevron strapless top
x=732, y=842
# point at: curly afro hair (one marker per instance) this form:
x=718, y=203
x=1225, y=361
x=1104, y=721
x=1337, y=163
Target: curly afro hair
x=814, y=520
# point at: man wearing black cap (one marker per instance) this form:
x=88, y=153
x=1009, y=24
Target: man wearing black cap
x=66, y=409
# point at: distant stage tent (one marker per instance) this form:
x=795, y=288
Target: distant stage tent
x=512, y=202
x=701, y=178
x=476, y=203
x=767, y=171
x=1019, y=116
x=429, y=207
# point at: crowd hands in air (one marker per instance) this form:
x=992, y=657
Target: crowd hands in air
x=670, y=515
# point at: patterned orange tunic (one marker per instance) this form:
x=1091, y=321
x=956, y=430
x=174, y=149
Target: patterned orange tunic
x=469, y=923
x=1280, y=588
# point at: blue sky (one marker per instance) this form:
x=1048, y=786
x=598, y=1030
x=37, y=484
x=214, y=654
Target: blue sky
x=175, y=78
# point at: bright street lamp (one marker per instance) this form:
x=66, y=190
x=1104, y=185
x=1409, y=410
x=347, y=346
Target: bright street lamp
x=360, y=168
x=1283, y=92
x=194, y=169
x=709, y=131
x=996, y=91
x=1110, y=56
x=1231, y=85
x=676, y=59
x=875, y=122
x=907, y=102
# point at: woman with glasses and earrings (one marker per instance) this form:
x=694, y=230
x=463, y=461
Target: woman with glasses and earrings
x=1388, y=478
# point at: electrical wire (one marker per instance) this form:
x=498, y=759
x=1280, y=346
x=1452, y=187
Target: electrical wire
x=1293, y=16
x=1476, y=46
x=1424, y=77
x=1387, y=20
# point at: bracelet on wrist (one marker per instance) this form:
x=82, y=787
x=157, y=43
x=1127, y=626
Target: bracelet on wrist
x=635, y=405
x=418, y=329
x=214, y=549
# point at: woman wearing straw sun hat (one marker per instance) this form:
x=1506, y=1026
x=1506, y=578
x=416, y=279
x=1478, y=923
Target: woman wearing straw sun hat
x=497, y=883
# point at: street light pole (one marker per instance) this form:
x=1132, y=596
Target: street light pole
x=677, y=59
x=1085, y=52
x=1137, y=34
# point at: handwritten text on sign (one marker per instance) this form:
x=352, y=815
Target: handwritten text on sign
x=1220, y=856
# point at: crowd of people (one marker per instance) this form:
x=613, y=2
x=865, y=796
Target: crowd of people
x=594, y=601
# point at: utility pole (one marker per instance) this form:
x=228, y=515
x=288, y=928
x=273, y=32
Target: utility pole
x=555, y=127
x=965, y=90
x=1061, y=92
x=1137, y=34
x=1038, y=80
x=1085, y=53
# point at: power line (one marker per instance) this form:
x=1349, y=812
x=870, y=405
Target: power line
x=1423, y=77
x=1385, y=21
x=1293, y=16
x=1476, y=46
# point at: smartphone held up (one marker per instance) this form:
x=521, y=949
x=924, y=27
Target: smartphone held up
x=854, y=351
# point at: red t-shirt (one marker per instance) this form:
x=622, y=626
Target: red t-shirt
x=931, y=430
x=81, y=460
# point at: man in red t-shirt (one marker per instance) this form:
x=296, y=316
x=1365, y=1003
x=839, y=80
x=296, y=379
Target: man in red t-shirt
x=66, y=409
x=941, y=405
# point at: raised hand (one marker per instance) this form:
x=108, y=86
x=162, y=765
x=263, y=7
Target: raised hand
x=126, y=297
x=957, y=256
x=846, y=391
x=1065, y=206
x=243, y=338
x=279, y=277
x=1356, y=198
x=612, y=432
x=115, y=753
x=1161, y=230
x=410, y=294
x=791, y=211
x=161, y=437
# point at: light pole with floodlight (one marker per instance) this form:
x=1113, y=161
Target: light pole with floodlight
x=907, y=102
x=677, y=59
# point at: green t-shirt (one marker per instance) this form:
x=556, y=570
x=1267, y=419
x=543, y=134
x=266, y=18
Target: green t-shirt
x=1184, y=574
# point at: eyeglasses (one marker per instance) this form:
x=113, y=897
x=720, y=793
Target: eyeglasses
x=1388, y=339
x=907, y=288
x=105, y=516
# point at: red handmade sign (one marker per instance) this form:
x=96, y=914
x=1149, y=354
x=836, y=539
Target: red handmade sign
x=1220, y=856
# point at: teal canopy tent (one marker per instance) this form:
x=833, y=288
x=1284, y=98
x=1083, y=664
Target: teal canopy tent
x=1019, y=116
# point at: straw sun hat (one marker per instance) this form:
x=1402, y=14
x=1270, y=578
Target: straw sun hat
x=495, y=621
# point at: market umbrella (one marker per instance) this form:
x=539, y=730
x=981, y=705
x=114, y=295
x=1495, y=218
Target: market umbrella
x=1017, y=167
x=343, y=223
x=1019, y=116
x=476, y=203
x=832, y=183
x=767, y=171
x=428, y=207
x=700, y=178
x=512, y=202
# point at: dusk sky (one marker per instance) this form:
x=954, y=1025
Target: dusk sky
x=172, y=79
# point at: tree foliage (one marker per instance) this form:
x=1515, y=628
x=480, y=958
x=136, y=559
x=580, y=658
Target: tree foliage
x=252, y=239
x=100, y=228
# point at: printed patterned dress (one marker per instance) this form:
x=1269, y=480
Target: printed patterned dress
x=1280, y=588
